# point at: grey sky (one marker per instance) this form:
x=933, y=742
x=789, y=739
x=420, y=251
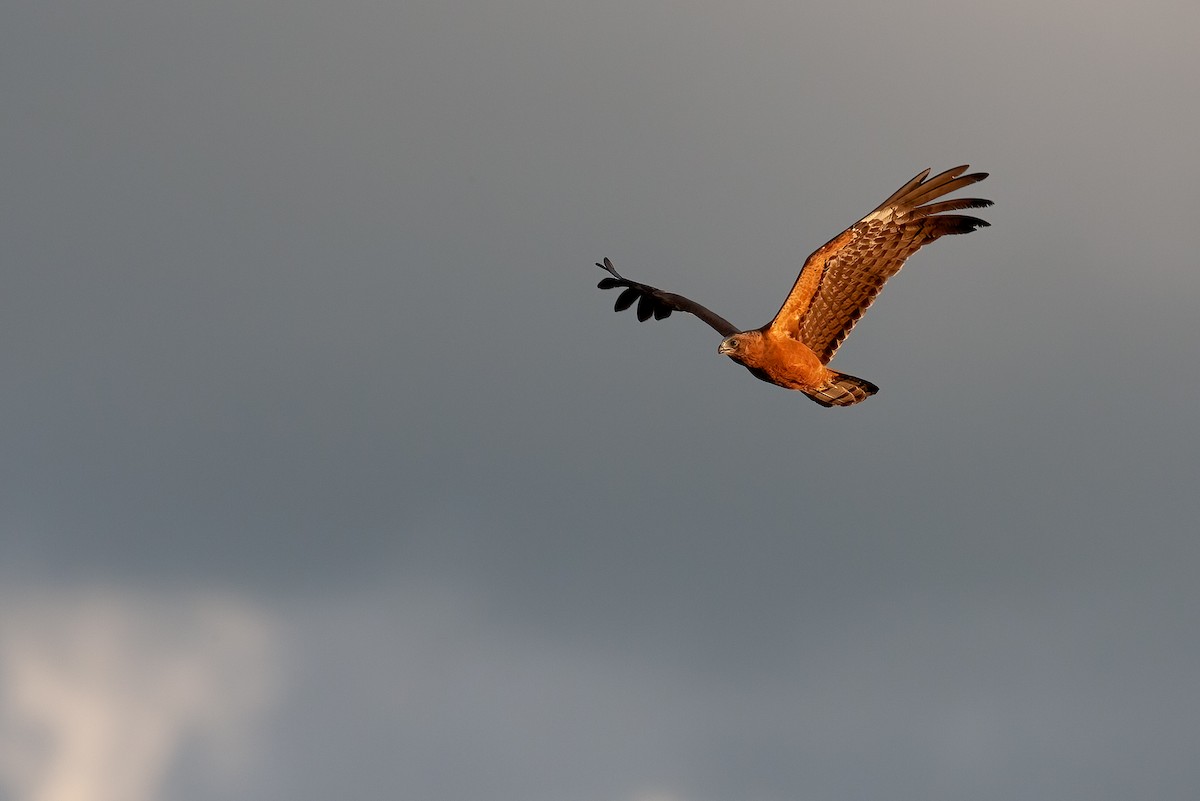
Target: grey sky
x=299, y=320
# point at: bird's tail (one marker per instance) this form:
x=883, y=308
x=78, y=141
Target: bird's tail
x=843, y=390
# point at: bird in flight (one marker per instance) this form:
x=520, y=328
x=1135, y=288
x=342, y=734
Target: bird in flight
x=836, y=285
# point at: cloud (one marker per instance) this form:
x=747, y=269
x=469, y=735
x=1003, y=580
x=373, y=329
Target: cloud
x=103, y=692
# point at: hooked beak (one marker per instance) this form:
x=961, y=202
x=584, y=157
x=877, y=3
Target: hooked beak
x=725, y=348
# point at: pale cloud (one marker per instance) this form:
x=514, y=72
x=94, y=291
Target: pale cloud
x=101, y=692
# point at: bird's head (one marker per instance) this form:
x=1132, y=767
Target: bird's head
x=740, y=346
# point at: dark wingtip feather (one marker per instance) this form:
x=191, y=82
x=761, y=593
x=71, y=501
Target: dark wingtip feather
x=645, y=308
x=957, y=204
x=957, y=224
x=922, y=189
x=625, y=299
x=608, y=283
x=608, y=266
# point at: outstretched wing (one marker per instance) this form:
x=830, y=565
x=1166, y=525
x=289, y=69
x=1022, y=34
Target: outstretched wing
x=842, y=278
x=658, y=304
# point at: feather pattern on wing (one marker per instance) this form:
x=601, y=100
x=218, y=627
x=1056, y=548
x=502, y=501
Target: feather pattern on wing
x=841, y=279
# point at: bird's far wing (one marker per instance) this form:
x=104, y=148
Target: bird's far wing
x=658, y=304
x=842, y=278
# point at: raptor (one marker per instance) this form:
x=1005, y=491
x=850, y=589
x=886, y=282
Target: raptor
x=836, y=285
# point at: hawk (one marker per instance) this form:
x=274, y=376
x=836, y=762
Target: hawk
x=837, y=284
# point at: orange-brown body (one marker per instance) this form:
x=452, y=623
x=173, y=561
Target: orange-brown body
x=789, y=363
x=780, y=360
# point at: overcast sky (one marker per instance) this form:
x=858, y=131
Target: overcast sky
x=326, y=472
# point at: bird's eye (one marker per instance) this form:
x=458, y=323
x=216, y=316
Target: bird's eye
x=733, y=343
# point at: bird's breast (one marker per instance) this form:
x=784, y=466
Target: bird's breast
x=788, y=363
